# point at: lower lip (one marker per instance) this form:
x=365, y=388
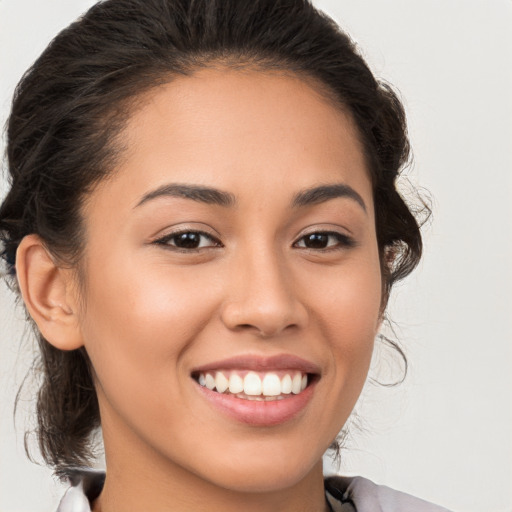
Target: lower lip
x=259, y=413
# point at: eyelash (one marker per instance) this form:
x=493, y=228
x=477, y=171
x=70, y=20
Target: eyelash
x=342, y=241
x=165, y=241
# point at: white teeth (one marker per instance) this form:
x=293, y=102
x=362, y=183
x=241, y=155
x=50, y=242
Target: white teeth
x=296, y=383
x=221, y=383
x=271, y=385
x=236, y=384
x=286, y=385
x=252, y=384
x=304, y=382
x=209, y=381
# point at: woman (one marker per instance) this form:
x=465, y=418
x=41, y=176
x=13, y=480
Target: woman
x=204, y=227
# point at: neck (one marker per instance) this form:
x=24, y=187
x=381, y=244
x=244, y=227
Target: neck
x=135, y=493
x=140, y=480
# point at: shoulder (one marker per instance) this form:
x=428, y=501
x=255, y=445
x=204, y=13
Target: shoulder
x=366, y=496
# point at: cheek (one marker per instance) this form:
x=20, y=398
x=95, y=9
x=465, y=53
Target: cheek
x=136, y=329
x=145, y=305
x=348, y=298
x=347, y=306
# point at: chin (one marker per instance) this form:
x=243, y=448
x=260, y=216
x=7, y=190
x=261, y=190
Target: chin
x=260, y=482
x=263, y=474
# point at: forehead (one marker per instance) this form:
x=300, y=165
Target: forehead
x=235, y=129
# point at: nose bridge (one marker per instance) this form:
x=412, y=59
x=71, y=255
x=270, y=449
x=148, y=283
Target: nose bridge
x=261, y=294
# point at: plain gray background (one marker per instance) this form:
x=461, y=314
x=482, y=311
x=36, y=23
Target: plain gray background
x=446, y=433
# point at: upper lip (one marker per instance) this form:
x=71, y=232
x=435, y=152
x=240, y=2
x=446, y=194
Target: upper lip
x=261, y=363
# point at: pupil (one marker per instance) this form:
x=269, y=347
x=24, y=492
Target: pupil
x=317, y=241
x=188, y=240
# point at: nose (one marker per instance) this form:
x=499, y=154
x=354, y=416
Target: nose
x=262, y=297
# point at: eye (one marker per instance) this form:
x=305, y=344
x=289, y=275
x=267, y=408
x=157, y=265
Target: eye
x=188, y=240
x=321, y=240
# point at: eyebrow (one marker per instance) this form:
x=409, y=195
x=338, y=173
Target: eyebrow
x=324, y=193
x=209, y=195
x=198, y=193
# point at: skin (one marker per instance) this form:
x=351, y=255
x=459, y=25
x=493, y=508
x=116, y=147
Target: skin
x=148, y=313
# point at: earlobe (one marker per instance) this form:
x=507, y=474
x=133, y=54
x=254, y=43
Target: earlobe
x=46, y=289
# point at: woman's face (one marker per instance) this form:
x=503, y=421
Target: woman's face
x=236, y=241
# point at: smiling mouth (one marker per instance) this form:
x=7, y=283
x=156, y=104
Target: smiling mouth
x=258, y=386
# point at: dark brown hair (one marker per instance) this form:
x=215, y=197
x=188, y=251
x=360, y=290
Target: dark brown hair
x=72, y=103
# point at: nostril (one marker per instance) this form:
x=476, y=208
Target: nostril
x=262, y=317
x=264, y=331
x=260, y=331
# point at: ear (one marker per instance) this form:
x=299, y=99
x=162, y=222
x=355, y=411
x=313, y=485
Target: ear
x=49, y=294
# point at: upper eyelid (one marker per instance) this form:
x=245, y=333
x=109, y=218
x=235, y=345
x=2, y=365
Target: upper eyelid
x=329, y=229
x=186, y=228
x=326, y=227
